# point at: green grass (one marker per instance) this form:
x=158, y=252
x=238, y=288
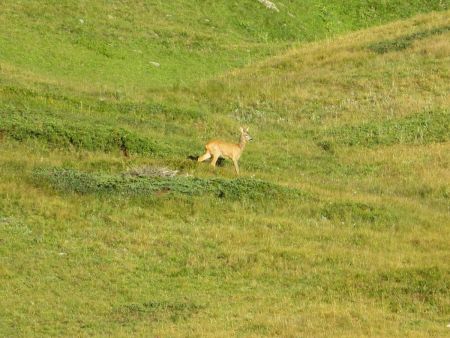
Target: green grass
x=338, y=224
x=422, y=128
x=110, y=46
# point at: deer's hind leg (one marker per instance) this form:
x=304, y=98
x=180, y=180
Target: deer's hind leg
x=214, y=160
x=204, y=157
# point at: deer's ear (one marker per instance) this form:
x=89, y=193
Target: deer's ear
x=246, y=129
x=241, y=129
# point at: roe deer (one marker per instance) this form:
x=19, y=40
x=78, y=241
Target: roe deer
x=232, y=151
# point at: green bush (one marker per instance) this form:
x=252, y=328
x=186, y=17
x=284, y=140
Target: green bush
x=70, y=180
x=81, y=135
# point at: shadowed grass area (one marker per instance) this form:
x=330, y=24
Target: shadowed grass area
x=406, y=41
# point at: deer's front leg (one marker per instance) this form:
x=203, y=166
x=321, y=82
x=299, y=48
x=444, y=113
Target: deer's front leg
x=236, y=166
x=204, y=157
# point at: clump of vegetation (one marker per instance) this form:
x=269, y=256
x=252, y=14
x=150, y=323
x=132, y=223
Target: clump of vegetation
x=80, y=135
x=70, y=180
x=423, y=128
x=405, y=41
x=356, y=212
x=326, y=146
x=156, y=311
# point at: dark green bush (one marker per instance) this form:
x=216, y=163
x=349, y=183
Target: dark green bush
x=89, y=136
x=70, y=180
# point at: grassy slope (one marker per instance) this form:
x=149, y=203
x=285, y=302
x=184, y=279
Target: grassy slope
x=359, y=247
x=113, y=44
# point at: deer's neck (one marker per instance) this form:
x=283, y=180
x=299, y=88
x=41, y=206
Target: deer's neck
x=242, y=142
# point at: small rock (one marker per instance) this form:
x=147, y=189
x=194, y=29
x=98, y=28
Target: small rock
x=81, y=21
x=269, y=5
x=156, y=64
x=151, y=171
x=5, y=220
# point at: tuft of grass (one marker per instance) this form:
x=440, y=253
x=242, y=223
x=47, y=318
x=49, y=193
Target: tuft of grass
x=155, y=311
x=356, y=213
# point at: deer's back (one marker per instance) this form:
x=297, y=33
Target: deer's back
x=222, y=148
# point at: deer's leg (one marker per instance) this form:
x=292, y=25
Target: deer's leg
x=214, y=160
x=236, y=166
x=204, y=157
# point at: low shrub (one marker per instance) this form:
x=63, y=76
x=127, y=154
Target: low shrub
x=80, y=135
x=70, y=180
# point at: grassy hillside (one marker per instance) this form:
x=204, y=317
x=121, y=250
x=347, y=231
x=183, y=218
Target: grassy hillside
x=104, y=45
x=337, y=226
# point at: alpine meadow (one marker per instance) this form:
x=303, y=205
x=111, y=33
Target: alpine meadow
x=337, y=225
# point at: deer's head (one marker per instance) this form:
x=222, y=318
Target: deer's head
x=245, y=135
